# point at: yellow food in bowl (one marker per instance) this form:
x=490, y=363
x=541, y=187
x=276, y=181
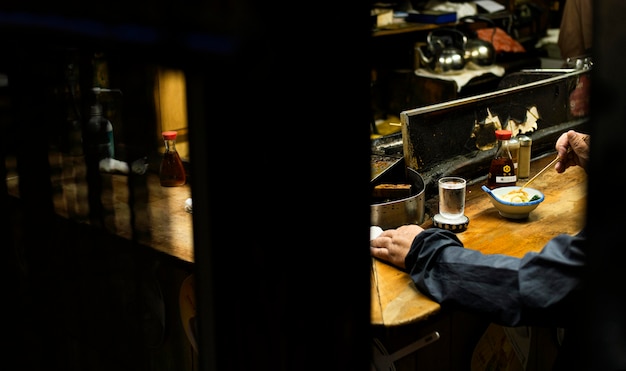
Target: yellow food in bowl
x=516, y=195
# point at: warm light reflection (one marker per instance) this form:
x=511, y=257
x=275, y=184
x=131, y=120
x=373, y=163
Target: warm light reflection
x=171, y=106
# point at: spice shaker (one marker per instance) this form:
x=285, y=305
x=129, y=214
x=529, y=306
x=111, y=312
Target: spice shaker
x=523, y=168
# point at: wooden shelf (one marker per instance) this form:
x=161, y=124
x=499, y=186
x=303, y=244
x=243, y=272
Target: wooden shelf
x=406, y=27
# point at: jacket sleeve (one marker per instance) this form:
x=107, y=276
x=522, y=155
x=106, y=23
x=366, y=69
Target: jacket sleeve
x=576, y=29
x=537, y=289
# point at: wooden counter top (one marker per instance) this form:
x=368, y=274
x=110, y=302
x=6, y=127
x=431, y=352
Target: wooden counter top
x=153, y=216
x=396, y=300
x=161, y=222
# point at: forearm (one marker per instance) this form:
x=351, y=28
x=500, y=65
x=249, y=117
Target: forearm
x=508, y=290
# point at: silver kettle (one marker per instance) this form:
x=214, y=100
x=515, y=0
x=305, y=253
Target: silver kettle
x=478, y=51
x=444, y=52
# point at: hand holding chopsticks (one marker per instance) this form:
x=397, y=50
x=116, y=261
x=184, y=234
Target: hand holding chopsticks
x=577, y=147
x=573, y=141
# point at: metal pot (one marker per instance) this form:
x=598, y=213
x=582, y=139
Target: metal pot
x=444, y=52
x=409, y=210
x=478, y=51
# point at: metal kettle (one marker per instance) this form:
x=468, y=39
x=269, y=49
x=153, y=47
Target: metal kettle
x=478, y=51
x=444, y=52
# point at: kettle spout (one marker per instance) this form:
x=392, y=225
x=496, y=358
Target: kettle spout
x=423, y=59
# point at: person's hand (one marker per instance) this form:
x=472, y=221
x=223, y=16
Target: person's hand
x=579, y=153
x=393, y=245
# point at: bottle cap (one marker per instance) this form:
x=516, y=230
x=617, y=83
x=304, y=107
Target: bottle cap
x=169, y=135
x=524, y=141
x=503, y=134
x=96, y=109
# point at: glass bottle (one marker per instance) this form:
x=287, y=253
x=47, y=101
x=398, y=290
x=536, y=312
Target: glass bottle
x=172, y=171
x=502, y=168
x=100, y=134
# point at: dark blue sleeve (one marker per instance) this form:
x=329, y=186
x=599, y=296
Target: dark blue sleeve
x=537, y=289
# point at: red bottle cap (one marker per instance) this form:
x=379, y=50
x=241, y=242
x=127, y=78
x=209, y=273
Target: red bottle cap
x=503, y=134
x=169, y=135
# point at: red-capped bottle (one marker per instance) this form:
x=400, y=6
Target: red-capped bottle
x=502, y=170
x=172, y=171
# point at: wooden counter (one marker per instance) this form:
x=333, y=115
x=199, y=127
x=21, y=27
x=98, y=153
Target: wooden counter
x=139, y=210
x=396, y=300
x=156, y=218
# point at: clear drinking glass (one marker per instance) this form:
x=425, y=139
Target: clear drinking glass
x=452, y=197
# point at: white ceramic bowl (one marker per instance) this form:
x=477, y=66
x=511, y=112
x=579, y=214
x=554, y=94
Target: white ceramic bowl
x=514, y=210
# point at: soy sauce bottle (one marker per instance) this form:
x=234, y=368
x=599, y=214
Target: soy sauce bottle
x=502, y=170
x=172, y=171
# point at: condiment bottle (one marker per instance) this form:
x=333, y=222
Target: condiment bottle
x=100, y=133
x=523, y=168
x=502, y=168
x=172, y=171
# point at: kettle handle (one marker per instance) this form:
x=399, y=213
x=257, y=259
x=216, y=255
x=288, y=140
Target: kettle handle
x=439, y=34
x=477, y=18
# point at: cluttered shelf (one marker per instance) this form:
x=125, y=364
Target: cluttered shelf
x=402, y=22
x=406, y=27
x=409, y=68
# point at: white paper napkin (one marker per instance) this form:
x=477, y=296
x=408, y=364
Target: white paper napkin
x=375, y=231
x=464, y=76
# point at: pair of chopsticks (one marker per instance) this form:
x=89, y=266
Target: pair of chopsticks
x=542, y=170
x=552, y=163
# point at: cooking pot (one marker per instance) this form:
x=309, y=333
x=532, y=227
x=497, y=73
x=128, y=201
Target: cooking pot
x=478, y=51
x=444, y=52
x=408, y=210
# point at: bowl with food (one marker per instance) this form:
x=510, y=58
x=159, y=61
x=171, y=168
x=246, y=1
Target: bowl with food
x=514, y=202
